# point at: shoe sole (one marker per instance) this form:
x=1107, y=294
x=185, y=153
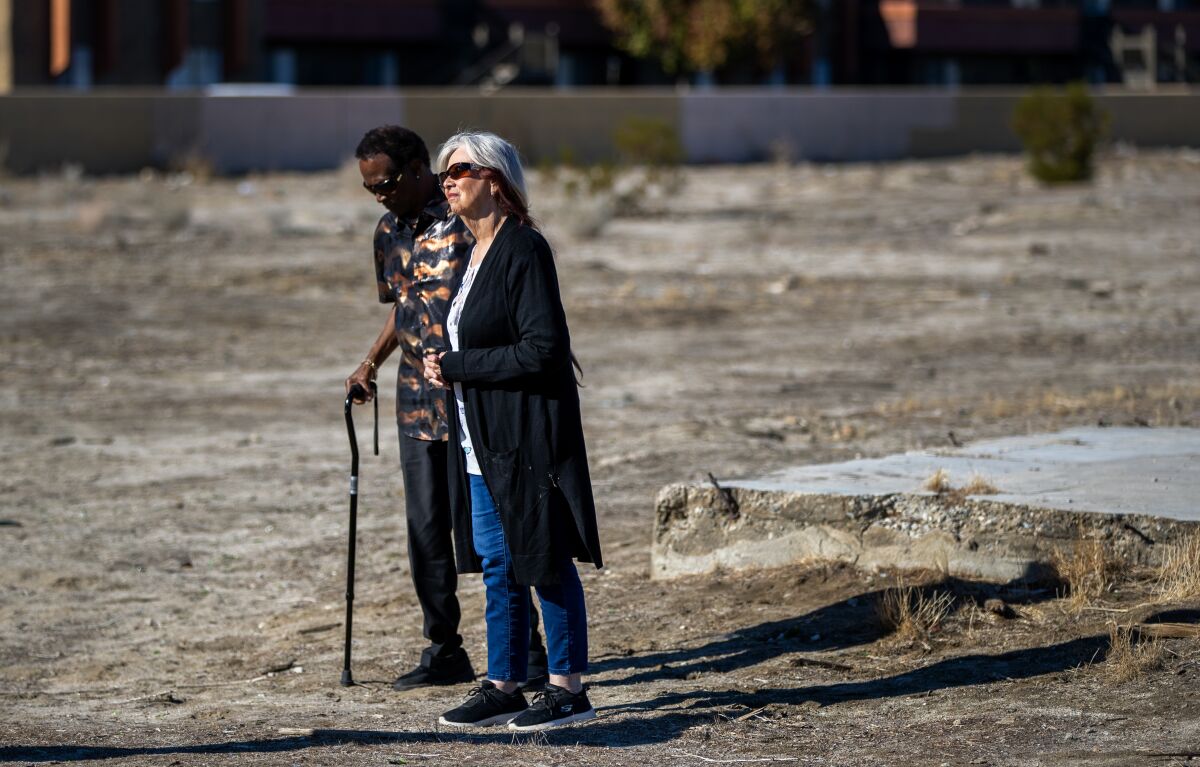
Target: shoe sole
x=589, y=714
x=489, y=722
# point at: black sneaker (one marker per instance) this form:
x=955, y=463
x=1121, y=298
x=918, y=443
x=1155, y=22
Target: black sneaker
x=436, y=671
x=554, y=707
x=485, y=706
x=538, y=675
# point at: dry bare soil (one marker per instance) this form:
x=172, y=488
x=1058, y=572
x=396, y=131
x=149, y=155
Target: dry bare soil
x=173, y=476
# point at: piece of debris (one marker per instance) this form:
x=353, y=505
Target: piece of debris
x=800, y=660
x=729, y=504
x=279, y=668
x=1168, y=630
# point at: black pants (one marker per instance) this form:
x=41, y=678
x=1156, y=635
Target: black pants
x=430, y=550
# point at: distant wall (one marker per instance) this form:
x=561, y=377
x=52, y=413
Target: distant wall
x=123, y=131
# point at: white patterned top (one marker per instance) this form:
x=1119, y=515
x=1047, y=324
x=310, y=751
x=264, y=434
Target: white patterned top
x=452, y=320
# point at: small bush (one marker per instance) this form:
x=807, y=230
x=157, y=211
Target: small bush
x=1090, y=570
x=1060, y=130
x=1130, y=656
x=979, y=485
x=938, y=482
x=648, y=141
x=1179, y=573
x=912, y=613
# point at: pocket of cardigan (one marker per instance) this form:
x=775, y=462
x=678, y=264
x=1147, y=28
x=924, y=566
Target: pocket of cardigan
x=501, y=468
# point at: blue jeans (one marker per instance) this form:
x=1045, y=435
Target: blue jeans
x=564, y=614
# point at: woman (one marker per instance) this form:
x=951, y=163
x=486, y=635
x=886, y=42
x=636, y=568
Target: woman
x=521, y=495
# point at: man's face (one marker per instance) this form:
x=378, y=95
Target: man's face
x=394, y=188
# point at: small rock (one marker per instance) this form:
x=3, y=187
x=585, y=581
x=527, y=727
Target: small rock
x=999, y=607
x=1101, y=289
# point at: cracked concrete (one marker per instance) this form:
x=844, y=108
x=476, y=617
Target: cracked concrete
x=1134, y=488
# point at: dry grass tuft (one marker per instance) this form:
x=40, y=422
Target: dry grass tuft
x=1130, y=656
x=912, y=613
x=1158, y=405
x=978, y=485
x=1089, y=570
x=938, y=482
x=1179, y=573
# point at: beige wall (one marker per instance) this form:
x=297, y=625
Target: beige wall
x=123, y=131
x=103, y=134
x=542, y=124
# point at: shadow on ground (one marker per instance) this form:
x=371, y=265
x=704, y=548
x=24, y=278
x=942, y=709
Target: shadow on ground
x=665, y=717
x=676, y=712
x=847, y=623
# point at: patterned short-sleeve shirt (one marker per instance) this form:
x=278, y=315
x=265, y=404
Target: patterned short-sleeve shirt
x=417, y=266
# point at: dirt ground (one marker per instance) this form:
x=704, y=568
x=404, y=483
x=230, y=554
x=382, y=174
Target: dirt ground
x=173, y=469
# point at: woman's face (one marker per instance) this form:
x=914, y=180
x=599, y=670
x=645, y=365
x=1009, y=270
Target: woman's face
x=470, y=196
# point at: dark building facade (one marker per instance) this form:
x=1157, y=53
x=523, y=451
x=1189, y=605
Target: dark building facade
x=91, y=43
x=493, y=43
x=986, y=42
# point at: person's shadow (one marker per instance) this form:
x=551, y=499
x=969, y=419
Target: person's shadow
x=660, y=727
x=848, y=623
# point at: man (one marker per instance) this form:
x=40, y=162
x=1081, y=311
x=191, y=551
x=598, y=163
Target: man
x=421, y=251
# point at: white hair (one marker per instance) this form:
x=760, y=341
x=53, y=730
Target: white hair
x=490, y=151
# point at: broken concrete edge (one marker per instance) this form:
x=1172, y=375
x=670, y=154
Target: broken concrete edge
x=699, y=529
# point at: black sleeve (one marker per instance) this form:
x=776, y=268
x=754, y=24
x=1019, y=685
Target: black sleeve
x=543, y=342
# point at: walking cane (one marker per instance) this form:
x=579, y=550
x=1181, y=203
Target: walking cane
x=356, y=392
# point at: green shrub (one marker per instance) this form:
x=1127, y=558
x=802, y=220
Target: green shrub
x=1059, y=130
x=648, y=141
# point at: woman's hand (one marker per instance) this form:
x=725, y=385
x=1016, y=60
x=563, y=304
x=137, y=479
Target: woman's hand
x=433, y=370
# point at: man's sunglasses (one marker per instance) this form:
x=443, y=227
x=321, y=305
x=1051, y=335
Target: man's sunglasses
x=459, y=170
x=387, y=186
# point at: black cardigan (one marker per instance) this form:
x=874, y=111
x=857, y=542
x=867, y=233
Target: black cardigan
x=522, y=406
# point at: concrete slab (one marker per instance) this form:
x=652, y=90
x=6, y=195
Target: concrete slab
x=1134, y=488
x=1104, y=470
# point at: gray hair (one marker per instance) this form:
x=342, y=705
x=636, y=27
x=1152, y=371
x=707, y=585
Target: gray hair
x=490, y=151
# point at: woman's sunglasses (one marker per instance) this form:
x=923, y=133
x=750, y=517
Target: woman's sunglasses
x=459, y=170
x=384, y=187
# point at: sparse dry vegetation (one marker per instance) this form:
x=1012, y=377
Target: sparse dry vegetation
x=911, y=612
x=1159, y=405
x=1179, y=573
x=1131, y=656
x=979, y=485
x=1089, y=571
x=938, y=482
x=156, y=579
